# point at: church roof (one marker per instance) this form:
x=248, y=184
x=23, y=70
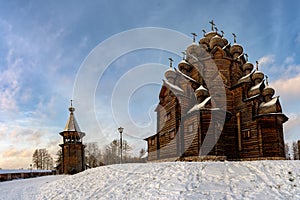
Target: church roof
x=72, y=124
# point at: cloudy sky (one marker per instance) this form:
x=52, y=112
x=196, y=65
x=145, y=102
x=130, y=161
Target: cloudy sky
x=45, y=49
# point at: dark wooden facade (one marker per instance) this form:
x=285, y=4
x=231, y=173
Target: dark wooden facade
x=198, y=117
x=73, y=159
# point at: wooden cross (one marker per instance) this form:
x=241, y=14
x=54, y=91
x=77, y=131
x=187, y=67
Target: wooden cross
x=212, y=25
x=234, y=37
x=183, y=55
x=222, y=33
x=246, y=55
x=171, y=60
x=216, y=29
x=194, y=36
x=256, y=65
x=203, y=32
x=267, y=81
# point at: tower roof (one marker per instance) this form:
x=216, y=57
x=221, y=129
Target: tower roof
x=72, y=125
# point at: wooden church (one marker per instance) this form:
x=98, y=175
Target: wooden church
x=216, y=106
x=73, y=159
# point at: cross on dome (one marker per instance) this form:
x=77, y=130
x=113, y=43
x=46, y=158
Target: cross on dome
x=256, y=65
x=171, y=61
x=234, y=37
x=246, y=57
x=212, y=25
x=71, y=108
x=216, y=29
x=194, y=36
x=183, y=55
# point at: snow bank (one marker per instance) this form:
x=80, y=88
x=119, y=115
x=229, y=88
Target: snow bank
x=180, y=180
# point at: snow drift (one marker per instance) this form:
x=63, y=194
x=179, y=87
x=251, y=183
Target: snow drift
x=179, y=180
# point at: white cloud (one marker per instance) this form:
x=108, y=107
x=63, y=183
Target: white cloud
x=288, y=88
x=9, y=83
x=266, y=60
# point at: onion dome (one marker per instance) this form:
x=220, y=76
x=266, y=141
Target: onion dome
x=210, y=35
x=236, y=49
x=201, y=92
x=268, y=91
x=170, y=74
x=184, y=65
x=204, y=40
x=258, y=75
x=193, y=48
x=196, y=50
x=247, y=67
x=272, y=106
x=225, y=41
x=245, y=79
x=216, y=41
x=256, y=90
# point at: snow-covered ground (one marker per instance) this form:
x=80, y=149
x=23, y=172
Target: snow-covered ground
x=180, y=180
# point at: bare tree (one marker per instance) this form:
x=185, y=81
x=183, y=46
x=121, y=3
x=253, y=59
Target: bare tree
x=111, y=153
x=59, y=157
x=42, y=159
x=295, y=151
x=93, y=155
x=287, y=151
x=126, y=148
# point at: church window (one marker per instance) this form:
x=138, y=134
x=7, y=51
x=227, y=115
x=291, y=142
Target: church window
x=152, y=141
x=246, y=134
x=163, y=138
x=190, y=128
x=172, y=134
x=168, y=116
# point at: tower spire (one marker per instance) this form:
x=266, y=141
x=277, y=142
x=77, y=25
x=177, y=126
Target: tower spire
x=71, y=108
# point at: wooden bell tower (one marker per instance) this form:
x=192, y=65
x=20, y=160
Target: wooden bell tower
x=72, y=148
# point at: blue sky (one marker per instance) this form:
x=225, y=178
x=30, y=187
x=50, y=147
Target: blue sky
x=43, y=45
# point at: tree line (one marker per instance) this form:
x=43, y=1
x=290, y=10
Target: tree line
x=110, y=154
x=94, y=155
